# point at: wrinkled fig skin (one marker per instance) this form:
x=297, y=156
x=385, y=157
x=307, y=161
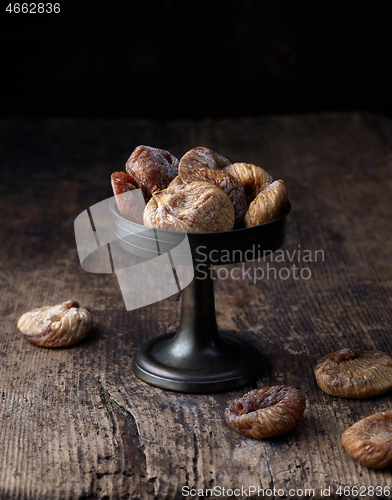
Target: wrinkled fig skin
x=252, y=178
x=267, y=205
x=370, y=440
x=198, y=207
x=354, y=374
x=61, y=325
x=223, y=180
x=267, y=412
x=202, y=157
x=152, y=168
x=177, y=181
x=123, y=183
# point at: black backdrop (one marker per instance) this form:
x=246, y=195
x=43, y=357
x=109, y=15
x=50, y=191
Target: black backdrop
x=196, y=59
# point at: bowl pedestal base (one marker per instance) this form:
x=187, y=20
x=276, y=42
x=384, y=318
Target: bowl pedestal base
x=197, y=358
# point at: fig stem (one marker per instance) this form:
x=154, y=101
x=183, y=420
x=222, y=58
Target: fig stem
x=345, y=355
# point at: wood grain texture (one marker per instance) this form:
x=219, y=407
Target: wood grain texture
x=76, y=423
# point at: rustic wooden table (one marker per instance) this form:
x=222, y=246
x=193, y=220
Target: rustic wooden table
x=77, y=423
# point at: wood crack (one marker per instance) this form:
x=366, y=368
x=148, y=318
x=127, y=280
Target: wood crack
x=125, y=433
x=271, y=482
x=86, y=427
x=195, y=457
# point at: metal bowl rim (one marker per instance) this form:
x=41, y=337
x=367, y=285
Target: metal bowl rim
x=222, y=234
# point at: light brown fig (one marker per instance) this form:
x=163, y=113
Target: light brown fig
x=226, y=182
x=202, y=157
x=61, y=325
x=267, y=205
x=198, y=207
x=370, y=440
x=354, y=374
x=267, y=412
x=151, y=167
x=252, y=178
x=176, y=182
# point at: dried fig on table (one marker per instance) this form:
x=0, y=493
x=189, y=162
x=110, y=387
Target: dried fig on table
x=370, y=440
x=198, y=207
x=152, y=167
x=354, y=374
x=267, y=205
x=252, y=178
x=225, y=181
x=202, y=157
x=267, y=412
x=61, y=325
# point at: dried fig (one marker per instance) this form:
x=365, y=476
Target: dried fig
x=226, y=182
x=370, y=440
x=123, y=183
x=267, y=412
x=152, y=167
x=267, y=205
x=201, y=157
x=176, y=182
x=354, y=374
x=62, y=325
x=252, y=178
x=198, y=207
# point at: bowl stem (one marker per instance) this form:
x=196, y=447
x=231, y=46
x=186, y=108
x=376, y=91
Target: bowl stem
x=197, y=359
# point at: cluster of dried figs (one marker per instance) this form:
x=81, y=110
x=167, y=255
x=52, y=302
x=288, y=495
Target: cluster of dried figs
x=201, y=192
x=357, y=375
x=273, y=411
x=269, y=411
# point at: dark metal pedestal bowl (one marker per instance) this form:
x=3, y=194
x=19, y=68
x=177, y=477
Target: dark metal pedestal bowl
x=197, y=358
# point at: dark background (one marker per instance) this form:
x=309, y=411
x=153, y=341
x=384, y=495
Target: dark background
x=197, y=59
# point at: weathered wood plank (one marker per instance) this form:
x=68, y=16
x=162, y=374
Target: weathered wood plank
x=76, y=423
